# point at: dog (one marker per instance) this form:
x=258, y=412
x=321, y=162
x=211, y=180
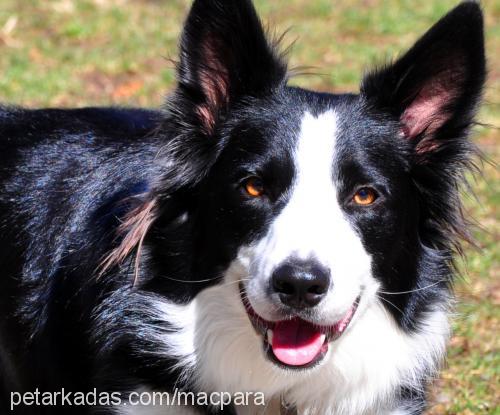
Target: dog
x=248, y=237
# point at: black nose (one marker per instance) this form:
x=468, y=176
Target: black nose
x=301, y=284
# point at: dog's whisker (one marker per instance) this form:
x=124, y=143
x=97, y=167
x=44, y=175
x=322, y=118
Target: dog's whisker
x=390, y=303
x=238, y=281
x=413, y=291
x=189, y=281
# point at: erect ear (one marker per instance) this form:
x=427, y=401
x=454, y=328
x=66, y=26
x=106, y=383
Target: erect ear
x=224, y=55
x=435, y=87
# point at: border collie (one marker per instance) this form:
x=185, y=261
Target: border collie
x=249, y=236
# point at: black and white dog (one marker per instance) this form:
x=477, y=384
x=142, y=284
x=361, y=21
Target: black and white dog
x=249, y=236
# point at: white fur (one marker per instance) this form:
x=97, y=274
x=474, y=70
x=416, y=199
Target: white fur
x=358, y=376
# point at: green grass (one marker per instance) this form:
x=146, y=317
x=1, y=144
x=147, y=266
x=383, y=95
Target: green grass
x=99, y=52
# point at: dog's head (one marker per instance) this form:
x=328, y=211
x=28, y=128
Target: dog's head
x=303, y=210
x=322, y=203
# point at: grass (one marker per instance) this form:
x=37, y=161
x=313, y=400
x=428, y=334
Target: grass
x=100, y=52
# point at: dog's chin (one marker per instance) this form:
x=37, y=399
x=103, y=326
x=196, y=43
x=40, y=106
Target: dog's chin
x=294, y=343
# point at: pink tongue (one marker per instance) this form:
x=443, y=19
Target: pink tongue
x=296, y=342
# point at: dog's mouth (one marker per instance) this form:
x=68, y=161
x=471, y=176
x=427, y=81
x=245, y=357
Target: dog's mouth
x=295, y=343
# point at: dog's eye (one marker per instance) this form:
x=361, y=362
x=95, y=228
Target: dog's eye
x=365, y=196
x=254, y=186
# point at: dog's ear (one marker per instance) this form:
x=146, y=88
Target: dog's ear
x=224, y=56
x=434, y=88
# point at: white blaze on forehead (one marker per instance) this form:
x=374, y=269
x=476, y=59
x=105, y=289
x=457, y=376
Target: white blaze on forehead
x=313, y=224
x=314, y=158
x=313, y=218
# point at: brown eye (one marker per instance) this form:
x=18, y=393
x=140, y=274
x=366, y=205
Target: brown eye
x=365, y=196
x=254, y=186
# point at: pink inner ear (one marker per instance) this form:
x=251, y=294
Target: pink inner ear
x=214, y=80
x=427, y=111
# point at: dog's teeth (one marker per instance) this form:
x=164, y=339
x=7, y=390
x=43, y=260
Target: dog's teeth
x=269, y=335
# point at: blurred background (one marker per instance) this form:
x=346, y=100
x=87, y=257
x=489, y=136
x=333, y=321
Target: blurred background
x=102, y=52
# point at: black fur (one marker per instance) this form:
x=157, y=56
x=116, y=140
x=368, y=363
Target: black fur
x=69, y=178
